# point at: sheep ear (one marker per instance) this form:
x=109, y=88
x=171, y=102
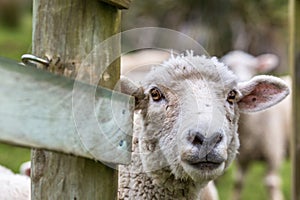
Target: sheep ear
x=266, y=62
x=130, y=88
x=127, y=86
x=261, y=92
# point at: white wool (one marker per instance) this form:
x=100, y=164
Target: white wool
x=4, y=170
x=13, y=186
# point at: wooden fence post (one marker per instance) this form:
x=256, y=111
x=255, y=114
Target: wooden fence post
x=294, y=60
x=66, y=31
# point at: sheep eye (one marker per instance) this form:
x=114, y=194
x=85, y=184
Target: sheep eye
x=156, y=94
x=231, y=96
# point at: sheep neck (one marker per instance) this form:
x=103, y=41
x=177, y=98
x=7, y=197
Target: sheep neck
x=135, y=184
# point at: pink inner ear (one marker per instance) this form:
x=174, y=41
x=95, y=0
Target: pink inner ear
x=262, y=94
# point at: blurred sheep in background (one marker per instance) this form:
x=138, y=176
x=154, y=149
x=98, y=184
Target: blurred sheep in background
x=14, y=186
x=263, y=135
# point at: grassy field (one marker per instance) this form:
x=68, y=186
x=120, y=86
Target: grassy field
x=254, y=184
x=12, y=157
x=15, y=42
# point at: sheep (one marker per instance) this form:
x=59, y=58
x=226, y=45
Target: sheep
x=261, y=132
x=185, y=125
x=209, y=192
x=25, y=168
x=13, y=186
x=136, y=65
x=245, y=66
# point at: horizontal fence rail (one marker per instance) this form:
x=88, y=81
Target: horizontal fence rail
x=37, y=109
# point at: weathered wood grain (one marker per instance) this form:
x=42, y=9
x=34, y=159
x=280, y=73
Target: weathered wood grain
x=121, y=4
x=294, y=60
x=66, y=32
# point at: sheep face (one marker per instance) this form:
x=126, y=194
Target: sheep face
x=188, y=126
x=189, y=108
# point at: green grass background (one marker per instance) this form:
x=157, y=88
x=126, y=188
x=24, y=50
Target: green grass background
x=14, y=42
x=17, y=41
x=254, y=185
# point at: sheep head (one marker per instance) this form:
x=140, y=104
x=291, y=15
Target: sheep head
x=245, y=66
x=189, y=108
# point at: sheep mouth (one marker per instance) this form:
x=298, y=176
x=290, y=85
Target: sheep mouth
x=206, y=165
x=210, y=161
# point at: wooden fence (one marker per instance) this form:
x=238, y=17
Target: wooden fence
x=68, y=29
x=39, y=105
x=294, y=57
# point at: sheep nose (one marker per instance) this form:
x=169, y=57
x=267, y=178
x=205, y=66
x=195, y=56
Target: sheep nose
x=198, y=140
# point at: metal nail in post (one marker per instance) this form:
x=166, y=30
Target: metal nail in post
x=29, y=59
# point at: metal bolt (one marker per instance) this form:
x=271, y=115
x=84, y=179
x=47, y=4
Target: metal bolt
x=122, y=144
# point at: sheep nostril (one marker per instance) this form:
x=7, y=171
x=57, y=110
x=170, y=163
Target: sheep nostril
x=198, y=139
x=216, y=139
x=219, y=138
